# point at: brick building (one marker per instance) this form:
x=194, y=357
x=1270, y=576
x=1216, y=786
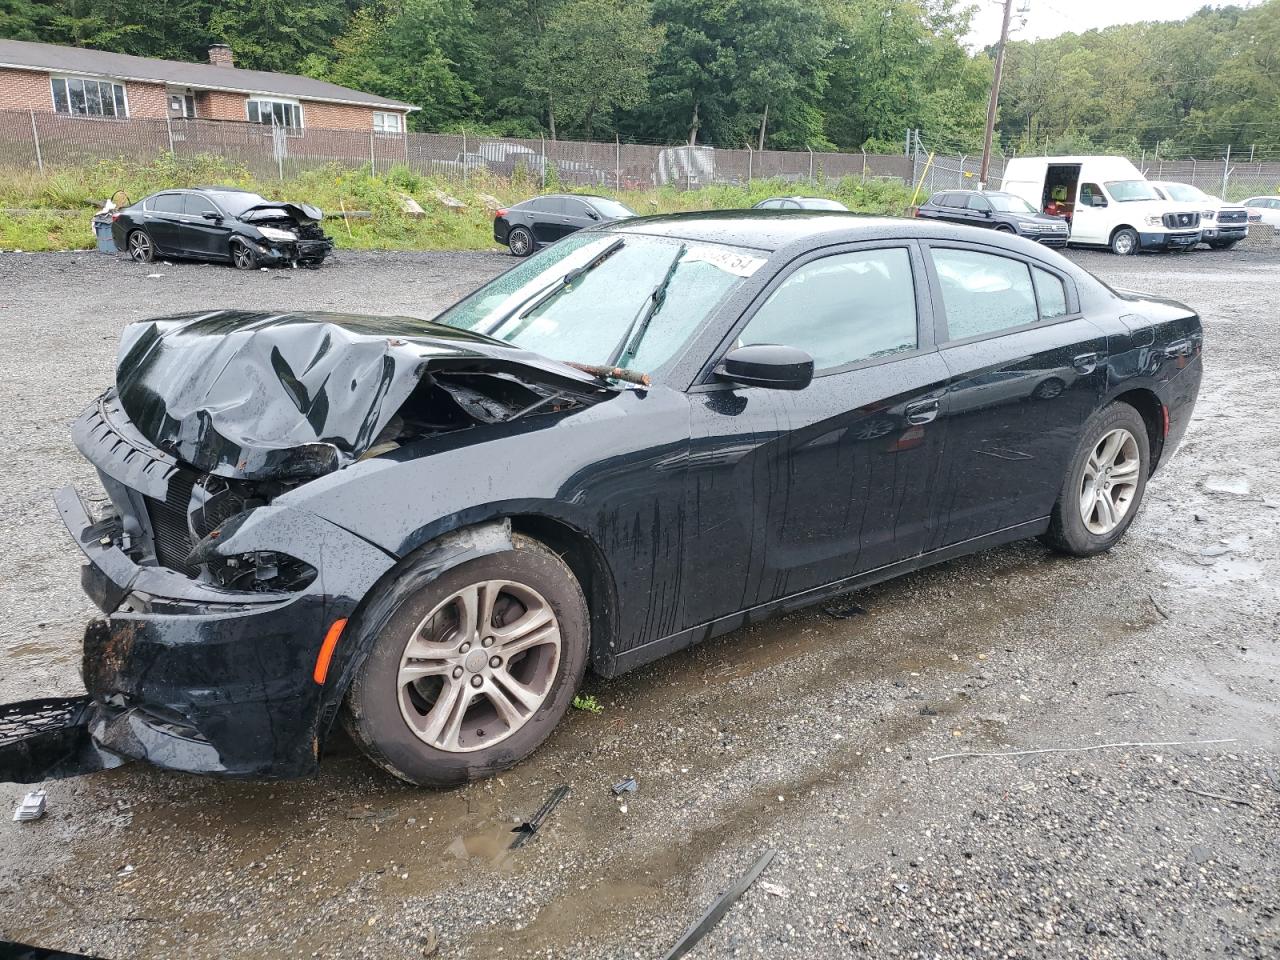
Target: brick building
x=76, y=81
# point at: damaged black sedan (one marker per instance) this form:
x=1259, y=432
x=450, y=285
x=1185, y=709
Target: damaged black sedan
x=647, y=435
x=221, y=224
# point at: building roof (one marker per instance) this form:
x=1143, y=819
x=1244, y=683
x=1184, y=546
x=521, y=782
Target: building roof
x=82, y=61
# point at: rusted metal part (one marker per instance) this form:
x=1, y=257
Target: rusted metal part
x=613, y=373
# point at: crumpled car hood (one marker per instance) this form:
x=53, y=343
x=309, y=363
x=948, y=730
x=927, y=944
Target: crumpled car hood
x=255, y=395
x=302, y=212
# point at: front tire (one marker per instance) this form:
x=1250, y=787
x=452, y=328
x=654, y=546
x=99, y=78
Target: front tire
x=243, y=256
x=1124, y=242
x=520, y=242
x=470, y=672
x=1104, y=485
x=1222, y=244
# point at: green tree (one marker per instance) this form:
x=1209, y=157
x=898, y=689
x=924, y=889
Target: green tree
x=594, y=57
x=278, y=35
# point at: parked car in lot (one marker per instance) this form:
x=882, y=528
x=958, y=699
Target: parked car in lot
x=1222, y=225
x=1264, y=210
x=535, y=223
x=800, y=203
x=223, y=224
x=1107, y=201
x=1003, y=212
x=652, y=433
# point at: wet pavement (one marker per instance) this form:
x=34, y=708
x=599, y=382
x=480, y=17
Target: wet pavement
x=815, y=736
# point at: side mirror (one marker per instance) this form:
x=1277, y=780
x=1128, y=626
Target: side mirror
x=767, y=365
x=1097, y=201
x=593, y=215
x=212, y=216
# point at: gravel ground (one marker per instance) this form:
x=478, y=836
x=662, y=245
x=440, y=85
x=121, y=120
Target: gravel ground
x=809, y=735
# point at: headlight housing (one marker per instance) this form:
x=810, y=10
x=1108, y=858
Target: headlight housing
x=1207, y=215
x=1155, y=221
x=275, y=233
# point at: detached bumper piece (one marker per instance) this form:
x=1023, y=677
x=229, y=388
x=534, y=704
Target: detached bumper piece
x=49, y=740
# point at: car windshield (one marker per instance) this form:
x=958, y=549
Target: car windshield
x=1125, y=190
x=1184, y=192
x=820, y=203
x=1008, y=203
x=617, y=276
x=236, y=203
x=611, y=208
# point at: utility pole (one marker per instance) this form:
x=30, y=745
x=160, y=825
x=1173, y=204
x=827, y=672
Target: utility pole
x=995, y=97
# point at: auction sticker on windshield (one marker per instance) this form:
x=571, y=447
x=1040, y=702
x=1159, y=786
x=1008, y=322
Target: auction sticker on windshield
x=730, y=261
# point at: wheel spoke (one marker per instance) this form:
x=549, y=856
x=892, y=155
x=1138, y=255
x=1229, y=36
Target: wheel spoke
x=444, y=719
x=1125, y=472
x=507, y=709
x=526, y=696
x=414, y=670
x=547, y=633
x=533, y=619
x=1111, y=445
x=1106, y=512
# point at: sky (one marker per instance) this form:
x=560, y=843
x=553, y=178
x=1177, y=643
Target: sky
x=1048, y=18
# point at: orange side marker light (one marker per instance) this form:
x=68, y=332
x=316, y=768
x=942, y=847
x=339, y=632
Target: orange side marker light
x=326, y=651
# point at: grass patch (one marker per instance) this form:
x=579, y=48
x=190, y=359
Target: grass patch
x=34, y=206
x=588, y=703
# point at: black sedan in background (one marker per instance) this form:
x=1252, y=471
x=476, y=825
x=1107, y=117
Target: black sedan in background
x=650, y=434
x=536, y=223
x=800, y=203
x=996, y=211
x=223, y=224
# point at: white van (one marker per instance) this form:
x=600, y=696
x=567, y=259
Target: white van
x=1107, y=201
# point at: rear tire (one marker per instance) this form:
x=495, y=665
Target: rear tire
x=520, y=242
x=425, y=659
x=140, y=247
x=1124, y=242
x=1105, y=483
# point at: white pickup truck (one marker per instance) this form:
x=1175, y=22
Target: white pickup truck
x=1107, y=201
x=1222, y=225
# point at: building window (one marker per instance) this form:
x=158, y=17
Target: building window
x=79, y=97
x=182, y=105
x=388, y=123
x=275, y=113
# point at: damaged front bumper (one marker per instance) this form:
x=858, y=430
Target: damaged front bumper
x=276, y=253
x=193, y=677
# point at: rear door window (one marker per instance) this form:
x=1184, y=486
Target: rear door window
x=167, y=203
x=983, y=293
x=842, y=309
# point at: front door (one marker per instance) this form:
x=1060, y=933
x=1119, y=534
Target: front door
x=206, y=233
x=1091, y=221
x=791, y=490
x=1025, y=373
x=577, y=215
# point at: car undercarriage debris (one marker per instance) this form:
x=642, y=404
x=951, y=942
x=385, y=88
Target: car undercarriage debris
x=49, y=739
x=531, y=826
x=718, y=909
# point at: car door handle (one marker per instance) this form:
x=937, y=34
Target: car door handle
x=922, y=411
x=1086, y=363
x=1179, y=348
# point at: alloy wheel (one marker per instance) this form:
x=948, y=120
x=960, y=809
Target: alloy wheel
x=140, y=247
x=479, y=666
x=519, y=243
x=1124, y=244
x=243, y=257
x=1110, y=481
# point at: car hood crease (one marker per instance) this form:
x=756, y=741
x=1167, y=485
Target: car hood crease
x=254, y=396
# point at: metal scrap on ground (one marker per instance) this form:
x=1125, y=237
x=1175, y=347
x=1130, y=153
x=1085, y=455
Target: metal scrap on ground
x=718, y=909
x=530, y=826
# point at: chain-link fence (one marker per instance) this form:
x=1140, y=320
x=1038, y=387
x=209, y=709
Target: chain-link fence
x=48, y=141
x=51, y=142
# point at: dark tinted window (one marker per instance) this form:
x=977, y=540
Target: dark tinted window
x=983, y=293
x=842, y=309
x=575, y=208
x=544, y=205
x=198, y=206
x=953, y=199
x=167, y=203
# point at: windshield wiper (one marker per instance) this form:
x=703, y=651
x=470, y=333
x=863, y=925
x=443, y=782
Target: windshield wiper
x=553, y=289
x=629, y=344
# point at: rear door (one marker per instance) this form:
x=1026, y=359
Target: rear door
x=1025, y=372
x=792, y=490
x=205, y=236
x=163, y=217
x=545, y=215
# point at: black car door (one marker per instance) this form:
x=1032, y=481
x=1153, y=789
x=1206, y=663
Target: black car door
x=791, y=490
x=545, y=214
x=978, y=211
x=206, y=232
x=162, y=215
x=577, y=215
x=1025, y=373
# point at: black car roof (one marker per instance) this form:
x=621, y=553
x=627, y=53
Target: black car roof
x=773, y=229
